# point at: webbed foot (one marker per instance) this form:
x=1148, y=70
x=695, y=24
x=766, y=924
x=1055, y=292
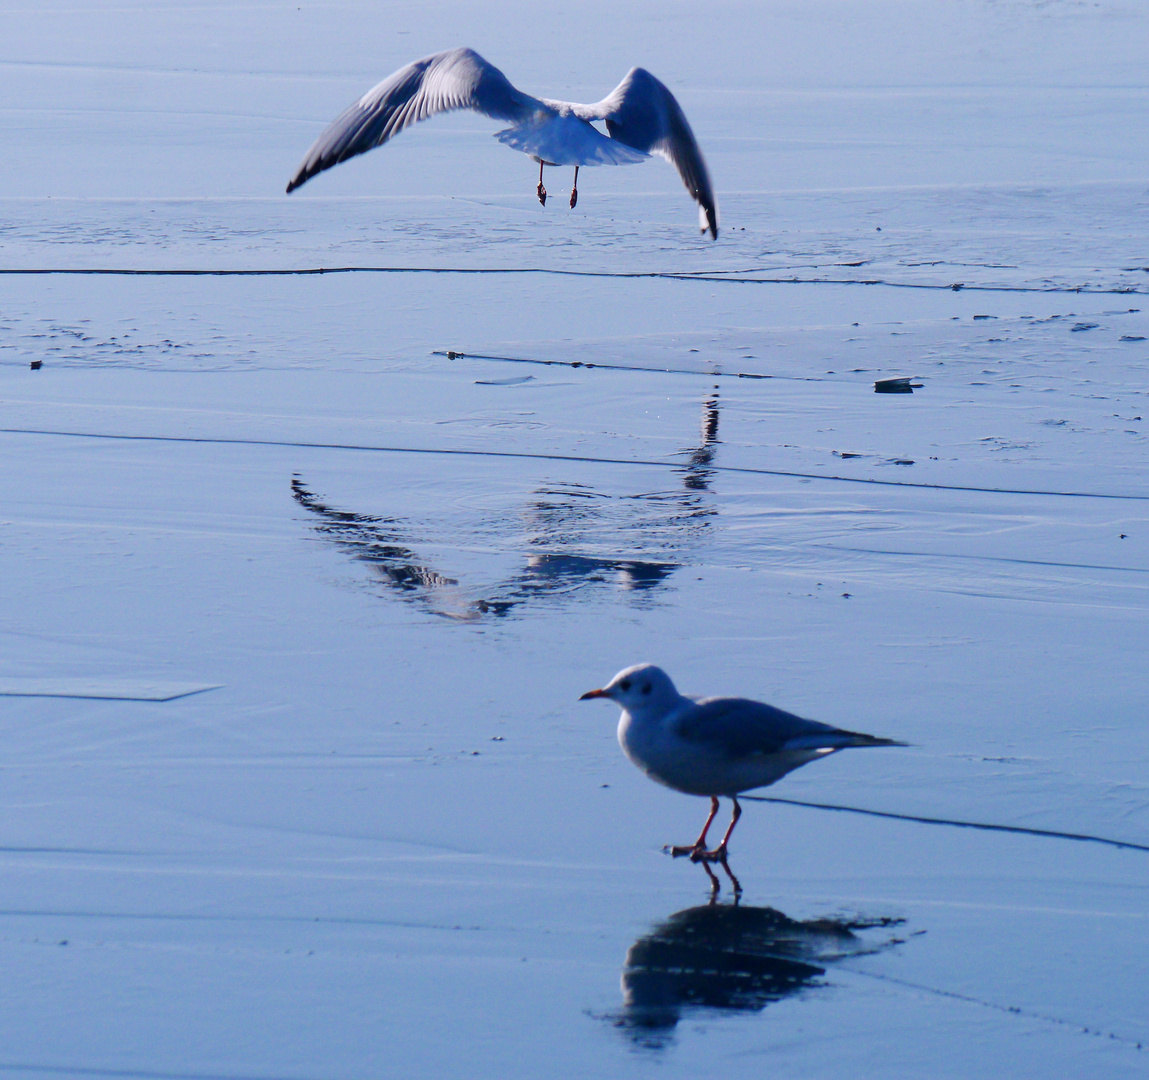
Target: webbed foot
x=718, y=855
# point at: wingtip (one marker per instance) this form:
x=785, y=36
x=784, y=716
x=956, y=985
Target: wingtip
x=304, y=173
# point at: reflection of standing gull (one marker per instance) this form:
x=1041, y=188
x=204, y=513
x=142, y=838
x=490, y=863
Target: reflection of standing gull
x=642, y=117
x=728, y=957
x=714, y=746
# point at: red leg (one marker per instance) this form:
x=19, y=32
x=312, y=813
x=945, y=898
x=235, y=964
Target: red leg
x=540, y=190
x=735, y=883
x=699, y=845
x=715, y=884
x=719, y=853
x=574, y=189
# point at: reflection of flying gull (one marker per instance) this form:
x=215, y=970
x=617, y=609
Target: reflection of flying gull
x=714, y=746
x=385, y=545
x=642, y=117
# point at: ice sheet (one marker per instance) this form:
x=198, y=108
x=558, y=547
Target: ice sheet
x=391, y=842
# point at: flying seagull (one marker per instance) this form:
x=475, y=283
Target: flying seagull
x=642, y=118
x=714, y=746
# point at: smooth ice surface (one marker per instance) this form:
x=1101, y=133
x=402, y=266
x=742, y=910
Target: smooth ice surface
x=391, y=842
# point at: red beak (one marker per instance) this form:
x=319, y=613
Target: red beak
x=593, y=694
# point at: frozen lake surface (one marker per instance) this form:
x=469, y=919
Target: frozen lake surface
x=298, y=606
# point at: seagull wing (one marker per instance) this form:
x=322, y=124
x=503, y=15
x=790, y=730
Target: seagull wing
x=740, y=727
x=642, y=113
x=459, y=79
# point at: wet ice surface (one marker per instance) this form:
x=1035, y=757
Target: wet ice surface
x=391, y=842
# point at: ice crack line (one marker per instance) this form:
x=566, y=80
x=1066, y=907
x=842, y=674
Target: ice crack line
x=453, y=355
x=711, y=277
x=984, y=558
x=1012, y=1010
x=526, y=456
x=1052, y=834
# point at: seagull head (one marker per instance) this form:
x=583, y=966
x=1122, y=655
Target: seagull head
x=639, y=689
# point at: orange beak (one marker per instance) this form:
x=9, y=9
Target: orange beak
x=593, y=694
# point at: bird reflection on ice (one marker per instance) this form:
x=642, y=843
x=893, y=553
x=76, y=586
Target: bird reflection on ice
x=557, y=521
x=699, y=463
x=382, y=543
x=731, y=958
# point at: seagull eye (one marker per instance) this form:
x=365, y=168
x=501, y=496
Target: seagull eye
x=647, y=688
x=624, y=685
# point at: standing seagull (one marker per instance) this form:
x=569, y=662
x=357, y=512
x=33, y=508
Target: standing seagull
x=714, y=746
x=641, y=115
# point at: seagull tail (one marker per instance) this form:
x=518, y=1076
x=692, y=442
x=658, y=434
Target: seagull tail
x=857, y=739
x=828, y=741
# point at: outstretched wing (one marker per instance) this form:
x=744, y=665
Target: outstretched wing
x=740, y=727
x=459, y=79
x=643, y=114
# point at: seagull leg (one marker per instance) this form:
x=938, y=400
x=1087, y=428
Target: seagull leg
x=699, y=845
x=574, y=189
x=735, y=883
x=719, y=853
x=715, y=884
x=540, y=190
